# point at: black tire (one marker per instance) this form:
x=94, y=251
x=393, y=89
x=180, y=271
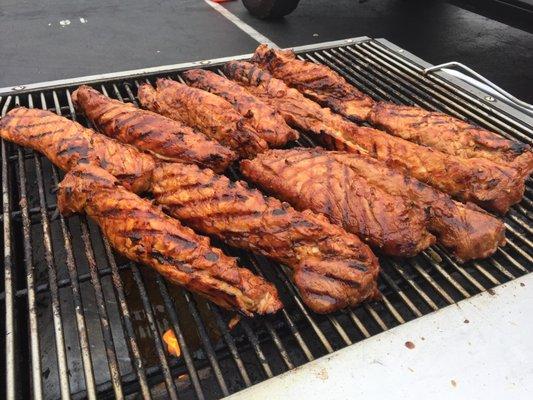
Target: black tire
x=270, y=8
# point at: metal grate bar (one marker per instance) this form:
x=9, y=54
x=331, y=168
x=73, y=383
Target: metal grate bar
x=259, y=353
x=65, y=282
x=292, y=326
x=155, y=333
x=460, y=269
x=206, y=343
x=54, y=290
x=80, y=319
x=419, y=291
x=126, y=322
x=102, y=309
x=461, y=97
x=522, y=225
x=414, y=309
x=8, y=273
x=520, y=251
x=357, y=322
x=152, y=324
x=33, y=210
x=515, y=263
x=30, y=284
x=501, y=269
x=231, y=345
x=99, y=295
x=444, y=274
x=172, y=314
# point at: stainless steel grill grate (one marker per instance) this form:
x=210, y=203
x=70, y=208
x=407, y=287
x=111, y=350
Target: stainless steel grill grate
x=81, y=322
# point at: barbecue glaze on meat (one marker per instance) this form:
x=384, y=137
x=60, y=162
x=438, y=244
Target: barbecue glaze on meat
x=466, y=231
x=163, y=137
x=490, y=185
x=308, y=179
x=478, y=180
x=143, y=233
x=210, y=114
x=319, y=83
x=451, y=135
x=433, y=129
x=266, y=121
x=332, y=268
x=66, y=143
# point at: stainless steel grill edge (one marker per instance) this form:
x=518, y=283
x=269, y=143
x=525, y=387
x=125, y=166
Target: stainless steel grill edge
x=81, y=322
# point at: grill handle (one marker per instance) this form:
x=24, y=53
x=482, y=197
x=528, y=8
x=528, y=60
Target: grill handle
x=480, y=82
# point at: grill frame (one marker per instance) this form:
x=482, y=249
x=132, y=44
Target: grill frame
x=412, y=289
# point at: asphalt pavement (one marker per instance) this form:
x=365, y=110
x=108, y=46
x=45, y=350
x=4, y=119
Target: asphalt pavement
x=57, y=39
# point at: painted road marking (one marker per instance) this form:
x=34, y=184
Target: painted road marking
x=259, y=37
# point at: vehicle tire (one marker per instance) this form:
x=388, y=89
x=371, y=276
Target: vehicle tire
x=270, y=8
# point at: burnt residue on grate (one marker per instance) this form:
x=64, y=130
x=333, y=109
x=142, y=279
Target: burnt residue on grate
x=82, y=322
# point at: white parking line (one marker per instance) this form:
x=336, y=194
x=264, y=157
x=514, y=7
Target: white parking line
x=259, y=37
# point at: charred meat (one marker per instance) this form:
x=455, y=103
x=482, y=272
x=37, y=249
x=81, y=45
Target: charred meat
x=317, y=82
x=308, y=179
x=332, y=269
x=267, y=122
x=465, y=230
x=66, y=143
x=451, y=135
x=143, y=233
x=163, y=137
x=490, y=185
x=429, y=128
x=204, y=111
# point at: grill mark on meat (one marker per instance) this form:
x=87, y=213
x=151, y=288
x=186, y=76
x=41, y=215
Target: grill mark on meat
x=71, y=150
x=87, y=174
x=41, y=134
x=120, y=123
x=262, y=117
x=185, y=211
x=165, y=138
x=144, y=234
x=345, y=201
x=204, y=111
x=309, y=179
x=27, y=126
x=268, y=227
x=331, y=278
x=436, y=130
x=67, y=143
x=183, y=266
x=465, y=179
x=139, y=233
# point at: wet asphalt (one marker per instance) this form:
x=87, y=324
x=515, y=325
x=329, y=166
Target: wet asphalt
x=57, y=39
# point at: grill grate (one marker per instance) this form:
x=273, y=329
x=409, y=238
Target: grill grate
x=82, y=322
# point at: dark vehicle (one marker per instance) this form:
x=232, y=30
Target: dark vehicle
x=270, y=8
